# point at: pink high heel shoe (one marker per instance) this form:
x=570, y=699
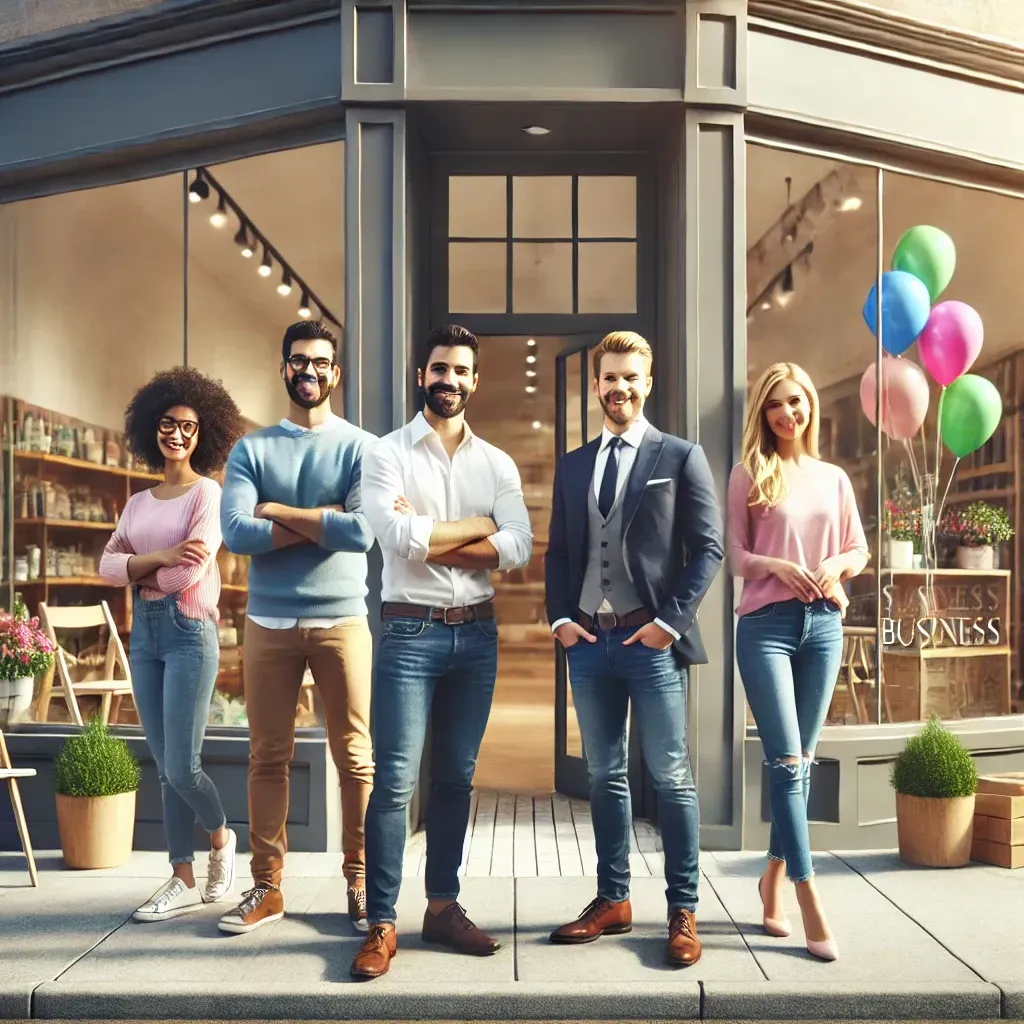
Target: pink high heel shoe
x=779, y=927
x=825, y=949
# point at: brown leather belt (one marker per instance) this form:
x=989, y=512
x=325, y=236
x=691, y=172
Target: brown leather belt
x=449, y=616
x=608, y=620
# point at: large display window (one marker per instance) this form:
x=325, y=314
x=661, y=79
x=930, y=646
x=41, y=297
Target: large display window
x=933, y=623
x=103, y=288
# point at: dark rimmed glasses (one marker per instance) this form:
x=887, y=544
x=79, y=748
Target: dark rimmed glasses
x=299, y=362
x=167, y=425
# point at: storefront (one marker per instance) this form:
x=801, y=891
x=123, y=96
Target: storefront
x=542, y=173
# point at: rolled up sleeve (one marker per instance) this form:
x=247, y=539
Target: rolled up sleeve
x=381, y=483
x=514, y=539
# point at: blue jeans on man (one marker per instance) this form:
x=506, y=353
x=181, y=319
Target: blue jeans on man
x=606, y=677
x=426, y=672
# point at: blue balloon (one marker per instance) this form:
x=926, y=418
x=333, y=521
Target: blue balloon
x=906, y=306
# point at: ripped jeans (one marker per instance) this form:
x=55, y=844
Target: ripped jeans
x=789, y=654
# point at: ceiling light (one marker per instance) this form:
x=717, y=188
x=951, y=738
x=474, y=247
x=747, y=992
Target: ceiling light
x=531, y=359
x=304, y=310
x=242, y=240
x=285, y=287
x=198, y=190
x=530, y=389
x=850, y=203
x=265, y=267
x=536, y=129
x=532, y=342
x=766, y=304
x=219, y=217
x=531, y=373
x=536, y=424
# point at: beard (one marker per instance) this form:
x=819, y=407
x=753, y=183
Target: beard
x=435, y=400
x=323, y=385
x=618, y=413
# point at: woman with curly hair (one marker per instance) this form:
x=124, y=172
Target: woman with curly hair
x=795, y=537
x=165, y=547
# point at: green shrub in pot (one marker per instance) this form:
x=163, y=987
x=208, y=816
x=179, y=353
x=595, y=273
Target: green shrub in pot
x=94, y=763
x=934, y=763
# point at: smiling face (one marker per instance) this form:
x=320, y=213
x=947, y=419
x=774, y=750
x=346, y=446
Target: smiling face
x=448, y=380
x=311, y=372
x=177, y=433
x=622, y=386
x=787, y=411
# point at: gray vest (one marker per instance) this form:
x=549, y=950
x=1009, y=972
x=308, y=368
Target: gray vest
x=606, y=578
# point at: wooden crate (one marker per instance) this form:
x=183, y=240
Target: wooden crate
x=1002, y=855
x=999, y=820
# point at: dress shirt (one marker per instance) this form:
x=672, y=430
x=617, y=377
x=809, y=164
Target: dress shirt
x=277, y=623
x=479, y=480
x=630, y=439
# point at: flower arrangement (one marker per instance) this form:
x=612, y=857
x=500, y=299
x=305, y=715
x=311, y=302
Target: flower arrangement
x=25, y=650
x=978, y=525
x=902, y=522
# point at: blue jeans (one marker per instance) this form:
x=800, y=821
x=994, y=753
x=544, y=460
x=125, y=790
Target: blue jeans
x=174, y=661
x=444, y=674
x=605, y=678
x=789, y=654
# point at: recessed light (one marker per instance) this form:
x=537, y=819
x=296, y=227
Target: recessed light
x=536, y=129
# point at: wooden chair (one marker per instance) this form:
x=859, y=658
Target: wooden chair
x=110, y=689
x=11, y=774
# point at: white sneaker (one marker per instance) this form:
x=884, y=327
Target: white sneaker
x=220, y=877
x=170, y=900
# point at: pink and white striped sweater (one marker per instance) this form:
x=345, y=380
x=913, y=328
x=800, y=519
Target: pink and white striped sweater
x=151, y=524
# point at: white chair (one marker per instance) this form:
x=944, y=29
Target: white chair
x=11, y=774
x=109, y=688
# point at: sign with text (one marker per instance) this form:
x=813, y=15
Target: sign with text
x=970, y=612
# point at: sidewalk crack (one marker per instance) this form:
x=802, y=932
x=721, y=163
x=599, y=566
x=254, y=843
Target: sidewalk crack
x=739, y=931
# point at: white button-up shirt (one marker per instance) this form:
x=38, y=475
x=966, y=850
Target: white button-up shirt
x=630, y=439
x=479, y=480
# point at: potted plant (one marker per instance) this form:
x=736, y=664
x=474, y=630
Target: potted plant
x=25, y=652
x=976, y=530
x=903, y=533
x=95, y=777
x=935, y=779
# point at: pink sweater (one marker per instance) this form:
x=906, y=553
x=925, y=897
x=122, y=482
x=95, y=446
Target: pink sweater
x=817, y=520
x=150, y=524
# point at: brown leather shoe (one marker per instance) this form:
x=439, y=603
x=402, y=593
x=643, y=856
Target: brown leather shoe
x=376, y=953
x=600, y=917
x=684, y=946
x=452, y=928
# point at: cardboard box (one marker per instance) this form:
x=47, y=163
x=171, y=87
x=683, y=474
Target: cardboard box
x=999, y=830
x=1006, y=783
x=999, y=805
x=1002, y=855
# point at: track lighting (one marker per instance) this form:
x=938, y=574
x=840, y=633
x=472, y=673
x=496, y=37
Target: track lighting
x=265, y=268
x=242, y=241
x=285, y=287
x=198, y=190
x=219, y=217
x=304, y=311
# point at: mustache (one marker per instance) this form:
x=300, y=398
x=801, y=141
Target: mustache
x=444, y=389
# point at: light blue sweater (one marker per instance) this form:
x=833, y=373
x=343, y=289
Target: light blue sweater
x=301, y=469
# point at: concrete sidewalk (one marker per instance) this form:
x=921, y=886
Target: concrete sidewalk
x=914, y=944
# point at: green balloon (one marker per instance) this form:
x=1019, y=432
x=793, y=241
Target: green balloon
x=971, y=410
x=929, y=254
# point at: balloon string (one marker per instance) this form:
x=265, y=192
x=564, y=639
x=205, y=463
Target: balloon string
x=949, y=482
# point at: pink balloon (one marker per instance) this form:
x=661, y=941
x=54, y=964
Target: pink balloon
x=904, y=397
x=950, y=341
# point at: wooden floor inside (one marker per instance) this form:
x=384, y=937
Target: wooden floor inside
x=516, y=835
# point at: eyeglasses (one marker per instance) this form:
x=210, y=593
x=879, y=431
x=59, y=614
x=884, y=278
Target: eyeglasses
x=299, y=363
x=167, y=425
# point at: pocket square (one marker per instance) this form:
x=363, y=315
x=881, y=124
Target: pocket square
x=660, y=480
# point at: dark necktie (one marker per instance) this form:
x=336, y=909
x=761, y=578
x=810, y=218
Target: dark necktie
x=606, y=496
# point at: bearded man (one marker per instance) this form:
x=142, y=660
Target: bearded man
x=447, y=509
x=291, y=502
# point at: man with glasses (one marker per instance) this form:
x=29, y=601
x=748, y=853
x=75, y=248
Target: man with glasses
x=292, y=503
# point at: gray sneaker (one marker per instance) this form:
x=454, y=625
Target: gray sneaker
x=220, y=876
x=172, y=899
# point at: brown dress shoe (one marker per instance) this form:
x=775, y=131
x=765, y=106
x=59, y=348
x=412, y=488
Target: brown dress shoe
x=684, y=946
x=600, y=917
x=452, y=928
x=375, y=954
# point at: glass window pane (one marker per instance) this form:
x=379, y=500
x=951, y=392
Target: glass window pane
x=607, y=277
x=476, y=277
x=542, y=207
x=607, y=206
x=542, y=277
x=476, y=206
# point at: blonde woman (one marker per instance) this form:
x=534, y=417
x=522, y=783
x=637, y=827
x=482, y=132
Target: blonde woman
x=795, y=537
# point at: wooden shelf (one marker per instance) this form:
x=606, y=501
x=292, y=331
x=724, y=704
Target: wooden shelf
x=66, y=524
x=931, y=653
x=64, y=581
x=947, y=572
x=95, y=467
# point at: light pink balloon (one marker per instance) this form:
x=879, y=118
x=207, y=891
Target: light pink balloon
x=950, y=341
x=904, y=397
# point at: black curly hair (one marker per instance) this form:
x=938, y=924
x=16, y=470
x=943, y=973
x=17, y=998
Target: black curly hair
x=220, y=421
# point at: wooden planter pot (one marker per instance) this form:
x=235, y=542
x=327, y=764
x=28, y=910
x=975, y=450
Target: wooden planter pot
x=96, y=831
x=935, y=832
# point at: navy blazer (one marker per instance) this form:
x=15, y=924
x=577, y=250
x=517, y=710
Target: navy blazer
x=671, y=533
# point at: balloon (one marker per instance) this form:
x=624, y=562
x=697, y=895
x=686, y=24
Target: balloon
x=904, y=397
x=950, y=341
x=905, y=309
x=929, y=254
x=971, y=411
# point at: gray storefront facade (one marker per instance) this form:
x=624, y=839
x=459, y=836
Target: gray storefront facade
x=670, y=93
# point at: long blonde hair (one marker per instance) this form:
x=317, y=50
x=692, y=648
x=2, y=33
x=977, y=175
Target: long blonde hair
x=759, y=455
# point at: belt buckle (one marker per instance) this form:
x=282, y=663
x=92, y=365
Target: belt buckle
x=444, y=616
